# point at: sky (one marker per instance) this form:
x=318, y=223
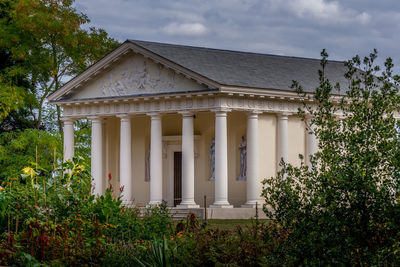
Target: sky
x=284, y=27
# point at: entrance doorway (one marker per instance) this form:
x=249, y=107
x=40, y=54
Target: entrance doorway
x=177, y=178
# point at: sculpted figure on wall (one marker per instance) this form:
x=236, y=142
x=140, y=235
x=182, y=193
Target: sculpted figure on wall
x=138, y=78
x=211, y=153
x=147, y=166
x=243, y=166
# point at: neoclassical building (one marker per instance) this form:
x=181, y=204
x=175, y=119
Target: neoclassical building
x=178, y=123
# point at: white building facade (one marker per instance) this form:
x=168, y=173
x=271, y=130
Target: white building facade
x=168, y=120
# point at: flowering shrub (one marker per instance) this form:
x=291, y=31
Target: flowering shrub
x=53, y=218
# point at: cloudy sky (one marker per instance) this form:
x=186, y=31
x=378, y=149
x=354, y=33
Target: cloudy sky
x=285, y=27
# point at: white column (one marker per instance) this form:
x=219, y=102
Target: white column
x=221, y=161
x=69, y=148
x=253, y=184
x=187, y=162
x=125, y=159
x=282, y=149
x=97, y=156
x=155, y=160
x=311, y=142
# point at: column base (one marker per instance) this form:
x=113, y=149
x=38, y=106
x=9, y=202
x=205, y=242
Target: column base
x=252, y=204
x=222, y=206
x=187, y=206
x=154, y=203
x=249, y=206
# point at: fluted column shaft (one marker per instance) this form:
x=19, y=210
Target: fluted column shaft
x=282, y=148
x=156, y=160
x=221, y=161
x=69, y=146
x=187, y=162
x=253, y=183
x=97, y=156
x=126, y=159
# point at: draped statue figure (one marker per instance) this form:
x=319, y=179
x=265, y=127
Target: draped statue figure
x=243, y=156
x=211, y=153
x=147, y=166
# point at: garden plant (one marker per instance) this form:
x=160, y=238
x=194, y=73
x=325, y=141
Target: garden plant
x=343, y=209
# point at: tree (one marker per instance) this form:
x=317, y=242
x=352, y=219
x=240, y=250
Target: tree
x=47, y=39
x=11, y=92
x=344, y=209
x=31, y=147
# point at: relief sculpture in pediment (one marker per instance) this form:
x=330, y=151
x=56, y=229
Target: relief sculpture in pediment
x=138, y=78
x=136, y=75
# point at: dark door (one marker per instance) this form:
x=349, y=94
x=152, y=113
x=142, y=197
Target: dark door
x=177, y=178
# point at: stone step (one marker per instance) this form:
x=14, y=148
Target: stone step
x=180, y=214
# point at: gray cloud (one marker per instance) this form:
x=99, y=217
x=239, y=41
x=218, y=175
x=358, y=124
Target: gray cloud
x=189, y=29
x=287, y=27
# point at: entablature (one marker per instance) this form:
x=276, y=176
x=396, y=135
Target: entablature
x=195, y=102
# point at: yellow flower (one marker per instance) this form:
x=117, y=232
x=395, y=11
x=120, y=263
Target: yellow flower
x=80, y=167
x=30, y=171
x=1, y=188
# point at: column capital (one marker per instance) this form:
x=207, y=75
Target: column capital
x=283, y=115
x=186, y=113
x=68, y=119
x=253, y=115
x=124, y=117
x=251, y=111
x=154, y=115
x=221, y=110
x=95, y=118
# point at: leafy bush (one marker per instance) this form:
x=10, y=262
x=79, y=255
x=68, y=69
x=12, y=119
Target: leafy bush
x=344, y=209
x=18, y=150
x=194, y=244
x=53, y=218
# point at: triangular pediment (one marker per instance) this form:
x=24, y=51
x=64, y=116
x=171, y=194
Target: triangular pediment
x=131, y=71
x=136, y=75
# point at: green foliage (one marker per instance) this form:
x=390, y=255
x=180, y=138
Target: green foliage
x=159, y=255
x=25, y=259
x=194, y=244
x=18, y=150
x=121, y=254
x=11, y=81
x=82, y=134
x=343, y=209
x=46, y=42
x=53, y=217
x=104, y=208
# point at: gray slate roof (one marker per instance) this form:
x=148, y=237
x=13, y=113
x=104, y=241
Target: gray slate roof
x=246, y=69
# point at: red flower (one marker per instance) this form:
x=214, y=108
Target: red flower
x=109, y=176
x=121, y=188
